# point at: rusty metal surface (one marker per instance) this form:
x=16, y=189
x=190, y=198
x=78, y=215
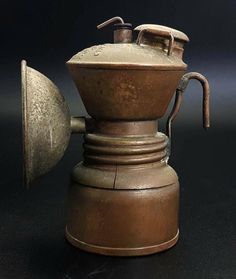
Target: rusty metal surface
x=124, y=94
x=179, y=97
x=123, y=197
x=125, y=162
x=100, y=149
x=128, y=81
x=46, y=123
x=124, y=177
x=123, y=222
x=122, y=128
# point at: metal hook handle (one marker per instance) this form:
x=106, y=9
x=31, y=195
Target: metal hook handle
x=111, y=20
x=161, y=33
x=179, y=97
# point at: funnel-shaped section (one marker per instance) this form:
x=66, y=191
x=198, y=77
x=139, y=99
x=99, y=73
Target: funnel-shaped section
x=124, y=94
x=46, y=123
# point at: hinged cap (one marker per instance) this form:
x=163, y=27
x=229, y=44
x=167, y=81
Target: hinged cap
x=178, y=35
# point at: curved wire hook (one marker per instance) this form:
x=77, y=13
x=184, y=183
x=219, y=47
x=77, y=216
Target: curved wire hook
x=179, y=97
x=109, y=21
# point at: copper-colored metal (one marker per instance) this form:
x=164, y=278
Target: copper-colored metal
x=179, y=96
x=124, y=155
x=110, y=251
x=123, y=94
x=108, y=200
x=206, y=94
x=123, y=197
x=160, y=33
x=130, y=148
x=123, y=223
x=122, y=33
x=124, y=128
x=130, y=81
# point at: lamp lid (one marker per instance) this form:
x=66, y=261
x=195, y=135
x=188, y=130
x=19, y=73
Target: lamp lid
x=155, y=47
x=129, y=55
x=178, y=35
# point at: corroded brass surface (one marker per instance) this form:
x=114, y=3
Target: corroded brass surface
x=179, y=97
x=123, y=196
x=124, y=94
x=123, y=128
x=78, y=125
x=110, y=251
x=46, y=123
x=178, y=35
x=123, y=222
x=131, y=162
x=123, y=31
x=130, y=81
x=126, y=56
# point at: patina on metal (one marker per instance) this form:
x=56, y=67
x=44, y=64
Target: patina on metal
x=46, y=121
x=179, y=97
x=47, y=124
x=122, y=31
x=123, y=197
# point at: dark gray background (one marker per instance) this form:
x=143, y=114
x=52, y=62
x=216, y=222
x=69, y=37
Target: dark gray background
x=48, y=33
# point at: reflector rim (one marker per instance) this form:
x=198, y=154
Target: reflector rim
x=26, y=178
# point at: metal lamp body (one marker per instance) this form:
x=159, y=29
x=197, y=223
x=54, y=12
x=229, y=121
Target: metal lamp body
x=123, y=197
x=123, y=94
x=123, y=223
